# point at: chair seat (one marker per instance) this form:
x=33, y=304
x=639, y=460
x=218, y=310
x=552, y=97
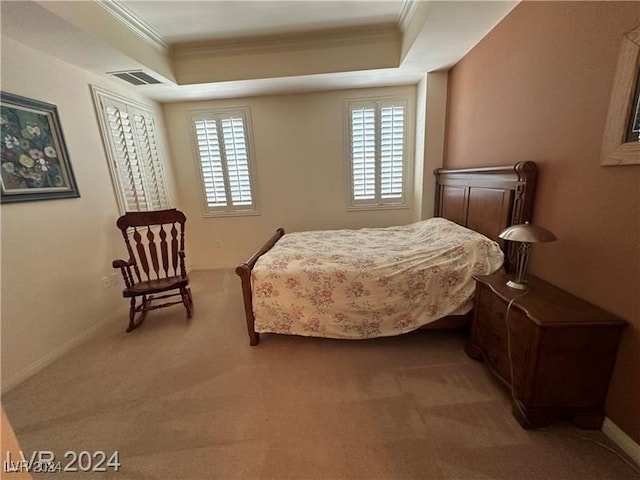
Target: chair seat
x=155, y=286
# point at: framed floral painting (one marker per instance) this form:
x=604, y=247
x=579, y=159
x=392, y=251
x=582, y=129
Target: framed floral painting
x=34, y=162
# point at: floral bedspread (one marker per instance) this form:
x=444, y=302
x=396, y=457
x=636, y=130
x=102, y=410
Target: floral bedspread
x=371, y=282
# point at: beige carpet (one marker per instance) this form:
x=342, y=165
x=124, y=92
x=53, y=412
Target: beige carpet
x=183, y=400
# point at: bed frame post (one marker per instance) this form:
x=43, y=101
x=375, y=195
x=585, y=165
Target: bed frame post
x=527, y=173
x=244, y=272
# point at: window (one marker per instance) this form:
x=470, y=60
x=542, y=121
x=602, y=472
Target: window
x=222, y=141
x=129, y=134
x=378, y=154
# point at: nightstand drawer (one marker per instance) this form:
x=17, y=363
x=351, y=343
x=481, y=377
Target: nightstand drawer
x=492, y=346
x=490, y=334
x=492, y=313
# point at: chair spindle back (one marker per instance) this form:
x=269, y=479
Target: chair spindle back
x=155, y=261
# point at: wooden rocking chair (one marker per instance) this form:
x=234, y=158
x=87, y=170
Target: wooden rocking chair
x=163, y=265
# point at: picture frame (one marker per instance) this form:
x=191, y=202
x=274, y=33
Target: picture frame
x=621, y=141
x=34, y=162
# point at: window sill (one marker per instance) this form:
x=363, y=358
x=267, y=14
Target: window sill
x=237, y=213
x=359, y=208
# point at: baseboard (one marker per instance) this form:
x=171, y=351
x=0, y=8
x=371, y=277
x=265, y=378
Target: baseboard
x=621, y=439
x=203, y=267
x=48, y=359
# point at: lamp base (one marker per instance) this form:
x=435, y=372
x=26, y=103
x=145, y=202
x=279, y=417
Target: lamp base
x=521, y=285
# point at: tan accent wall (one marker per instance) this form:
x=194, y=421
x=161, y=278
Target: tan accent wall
x=537, y=88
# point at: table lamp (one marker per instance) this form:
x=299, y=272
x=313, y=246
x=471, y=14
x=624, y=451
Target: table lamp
x=525, y=234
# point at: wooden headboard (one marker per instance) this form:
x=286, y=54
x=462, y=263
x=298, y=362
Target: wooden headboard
x=488, y=200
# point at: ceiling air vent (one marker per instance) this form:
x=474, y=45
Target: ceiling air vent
x=135, y=77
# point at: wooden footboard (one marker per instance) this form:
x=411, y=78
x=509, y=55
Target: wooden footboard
x=244, y=272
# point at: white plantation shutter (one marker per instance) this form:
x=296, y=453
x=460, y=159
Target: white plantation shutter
x=150, y=159
x=129, y=133
x=378, y=135
x=363, y=159
x=211, y=163
x=125, y=157
x=391, y=152
x=235, y=147
x=222, y=142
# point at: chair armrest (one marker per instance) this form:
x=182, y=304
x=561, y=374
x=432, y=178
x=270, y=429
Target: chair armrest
x=125, y=269
x=122, y=263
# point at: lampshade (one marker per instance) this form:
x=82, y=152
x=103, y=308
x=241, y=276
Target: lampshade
x=525, y=234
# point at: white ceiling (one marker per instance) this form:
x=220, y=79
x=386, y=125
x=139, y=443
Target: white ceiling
x=187, y=20
x=148, y=35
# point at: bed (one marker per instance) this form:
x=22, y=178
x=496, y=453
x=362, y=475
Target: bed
x=380, y=282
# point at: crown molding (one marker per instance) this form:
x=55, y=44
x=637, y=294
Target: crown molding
x=405, y=15
x=135, y=24
x=287, y=42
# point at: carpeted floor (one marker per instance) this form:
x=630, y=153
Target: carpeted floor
x=183, y=400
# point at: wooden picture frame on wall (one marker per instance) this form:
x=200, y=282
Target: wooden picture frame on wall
x=620, y=145
x=34, y=159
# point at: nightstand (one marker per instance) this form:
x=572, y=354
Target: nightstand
x=562, y=349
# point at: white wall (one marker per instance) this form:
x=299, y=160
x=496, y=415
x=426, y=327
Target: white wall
x=55, y=252
x=302, y=174
x=431, y=109
x=436, y=114
x=419, y=170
